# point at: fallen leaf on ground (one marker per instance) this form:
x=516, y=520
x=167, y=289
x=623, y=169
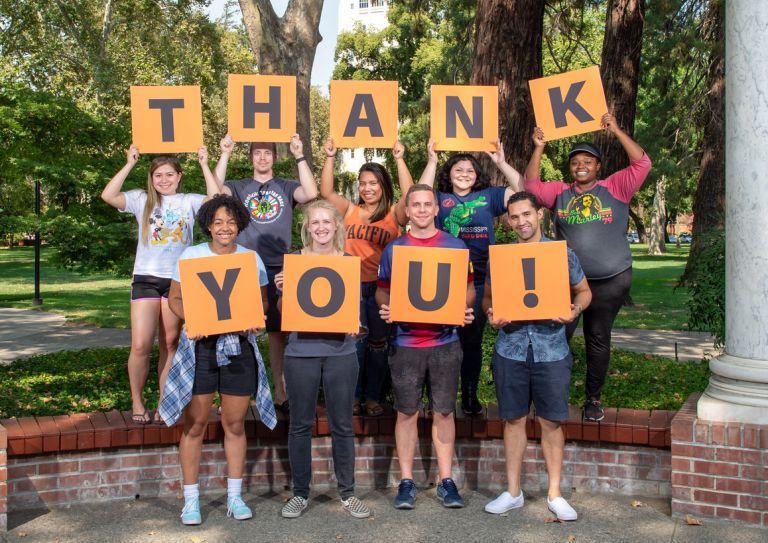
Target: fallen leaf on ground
x=571, y=538
x=22, y=534
x=504, y=515
x=692, y=521
x=550, y=520
x=637, y=503
x=339, y=536
x=151, y=533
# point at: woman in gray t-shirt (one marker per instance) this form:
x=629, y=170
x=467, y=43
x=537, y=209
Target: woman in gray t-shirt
x=312, y=358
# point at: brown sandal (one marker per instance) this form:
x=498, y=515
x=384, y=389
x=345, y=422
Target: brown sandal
x=373, y=408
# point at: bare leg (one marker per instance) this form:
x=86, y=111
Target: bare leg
x=552, y=445
x=233, y=410
x=144, y=320
x=276, y=353
x=191, y=443
x=515, y=442
x=406, y=435
x=168, y=339
x=443, y=437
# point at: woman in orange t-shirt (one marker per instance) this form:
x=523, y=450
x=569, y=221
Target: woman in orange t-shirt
x=370, y=225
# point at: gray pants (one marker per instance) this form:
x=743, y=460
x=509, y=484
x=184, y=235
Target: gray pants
x=339, y=377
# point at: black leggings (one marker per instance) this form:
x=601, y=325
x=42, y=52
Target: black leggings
x=608, y=295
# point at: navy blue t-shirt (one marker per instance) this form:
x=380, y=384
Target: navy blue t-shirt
x=470, y=218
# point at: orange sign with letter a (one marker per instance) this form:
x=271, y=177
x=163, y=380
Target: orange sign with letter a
x=321, y=294
x=428, y=285
x=568, y=104
x=529, y=281
x=364, y=113
x=261, y=107
x=464, y=117
x=221, y=294
x=167, y=119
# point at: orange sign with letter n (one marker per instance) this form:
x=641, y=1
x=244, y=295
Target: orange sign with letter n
x=167, y=119
x=221, y=294
x=321, y=294
x=428, y=285
x=568, y=104
x=529, y=281
x=464, y=117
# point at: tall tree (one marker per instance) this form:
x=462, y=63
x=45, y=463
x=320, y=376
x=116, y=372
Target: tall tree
x=508, y=53
x=709, y=200
x=286, y=46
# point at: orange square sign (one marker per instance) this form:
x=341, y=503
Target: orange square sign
x=364, y=113
x=568, y=104
x=167, y=119
x=321, y=294
x=529, y=281
x=261, y=107
x=464, y=117
x=428, y=285
x=221, y=294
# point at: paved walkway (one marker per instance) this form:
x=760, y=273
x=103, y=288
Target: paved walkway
x=602, y=518
x=25, y=332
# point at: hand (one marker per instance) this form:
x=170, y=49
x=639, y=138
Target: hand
x=538, y=137
x=609, y=124
x=254, y=330
x=202, y=155
x=296, y=147
x=398, y=151
x=575, y=312
x=496, y=323
x=497, y=157
x=469, y=316
x=330, y=148
x=279, y=281
x=384, y=313
x=227, y=144
x=197, y=337
x=132, y=156
x=431, y=153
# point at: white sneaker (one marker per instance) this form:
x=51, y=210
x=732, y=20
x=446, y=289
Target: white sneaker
x=505, y=502
x=561, y=509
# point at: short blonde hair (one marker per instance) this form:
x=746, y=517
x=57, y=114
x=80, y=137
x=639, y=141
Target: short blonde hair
x=338, y=238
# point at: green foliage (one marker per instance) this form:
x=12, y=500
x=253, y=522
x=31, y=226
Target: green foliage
x=706, y=283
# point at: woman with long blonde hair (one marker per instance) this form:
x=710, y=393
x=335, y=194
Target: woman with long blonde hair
x=165, y=219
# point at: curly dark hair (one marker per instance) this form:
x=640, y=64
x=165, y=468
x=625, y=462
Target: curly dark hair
x=235, y=208
x=444, y=177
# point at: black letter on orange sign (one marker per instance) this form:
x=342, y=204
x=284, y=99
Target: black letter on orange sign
x=304, y=292
x=560, y=106
x=454, y=109
x=166, y=107
x=441, y=292
x=371, y=120
x=251, y=107
x=221, y=295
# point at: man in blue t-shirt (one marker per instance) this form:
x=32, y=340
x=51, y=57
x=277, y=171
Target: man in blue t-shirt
x=532, y=363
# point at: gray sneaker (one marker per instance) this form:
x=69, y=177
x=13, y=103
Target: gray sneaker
x=294, y=507
x=356, y=507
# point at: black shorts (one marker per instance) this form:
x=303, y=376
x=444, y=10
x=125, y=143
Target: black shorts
x=149, y=287
x=273, y=315
x=411, y=366
x=238, y=378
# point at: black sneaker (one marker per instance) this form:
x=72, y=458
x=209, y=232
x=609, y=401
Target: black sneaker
x=593, y=411
x=470, y=405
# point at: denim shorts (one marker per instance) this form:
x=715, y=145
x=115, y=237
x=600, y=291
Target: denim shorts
x=411, y=366
x=518, y=383
x=238, y=378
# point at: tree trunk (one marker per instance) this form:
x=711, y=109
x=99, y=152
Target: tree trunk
x=709, y=200
x=286, y=46
x=508, y=53
x=656, y=244
x=639, y=224
x=620, y=74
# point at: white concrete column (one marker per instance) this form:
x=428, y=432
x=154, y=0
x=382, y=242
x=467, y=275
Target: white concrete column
x=738, y=387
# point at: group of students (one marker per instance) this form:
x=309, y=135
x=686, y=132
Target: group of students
x=256, y=214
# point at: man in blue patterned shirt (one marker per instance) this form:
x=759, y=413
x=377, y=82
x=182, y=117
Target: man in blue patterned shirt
x=532, y=363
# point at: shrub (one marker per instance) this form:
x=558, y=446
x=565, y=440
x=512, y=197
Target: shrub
x=705, y=280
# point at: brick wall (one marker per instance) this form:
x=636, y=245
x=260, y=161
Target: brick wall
x=719, y=469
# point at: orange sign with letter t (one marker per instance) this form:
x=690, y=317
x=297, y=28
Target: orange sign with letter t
x=167, y=119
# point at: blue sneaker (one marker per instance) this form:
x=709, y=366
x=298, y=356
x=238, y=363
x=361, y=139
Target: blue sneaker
x=190, y=515
x=406, y=494
x=236, y=508
x=448, y=492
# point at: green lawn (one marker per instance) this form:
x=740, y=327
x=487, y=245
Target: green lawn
x=101, y=300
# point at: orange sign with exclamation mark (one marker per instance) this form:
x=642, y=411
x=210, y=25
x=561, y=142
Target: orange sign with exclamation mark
x=529, y=281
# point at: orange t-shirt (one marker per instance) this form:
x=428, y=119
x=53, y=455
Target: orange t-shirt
x=367, y=240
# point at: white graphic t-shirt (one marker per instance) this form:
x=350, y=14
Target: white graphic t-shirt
x=170, y=231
